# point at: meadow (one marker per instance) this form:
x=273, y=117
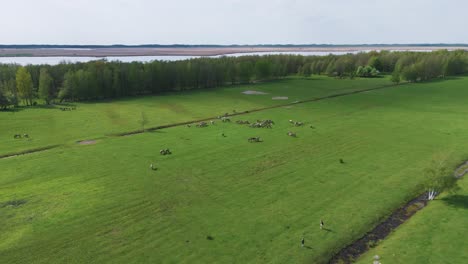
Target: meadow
x=437, y=234
x=222, y=199
x=51, y=126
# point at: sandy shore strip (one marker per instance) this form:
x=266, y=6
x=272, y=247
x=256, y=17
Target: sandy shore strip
x=200, y=51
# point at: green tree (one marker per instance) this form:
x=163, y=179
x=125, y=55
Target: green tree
x=68, y=90
x=375, y=62
x=24, y=85
x=455, y=64
x=411, y=73
x=45, y=86
x=396, y=77
x=4, y=102
x=262, y=69
x=306, y=70
x=245, y=69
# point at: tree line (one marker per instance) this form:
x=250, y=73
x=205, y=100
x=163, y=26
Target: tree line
x=101, y=79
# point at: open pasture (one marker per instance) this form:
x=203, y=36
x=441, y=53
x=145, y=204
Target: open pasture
x=222, y=199
x=437, y=234
x=52, y=126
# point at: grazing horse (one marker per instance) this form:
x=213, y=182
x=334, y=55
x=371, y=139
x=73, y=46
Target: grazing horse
x=298, y=123
x=291, y=134
x=225, y=119
x=202, y=124
x=262, y=124
x=254, y=139
x=241, y=122
x=165, y=152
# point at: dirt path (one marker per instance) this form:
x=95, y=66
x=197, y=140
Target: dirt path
x=382, y=230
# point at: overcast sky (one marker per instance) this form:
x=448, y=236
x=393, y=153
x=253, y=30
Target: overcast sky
x=232, y=21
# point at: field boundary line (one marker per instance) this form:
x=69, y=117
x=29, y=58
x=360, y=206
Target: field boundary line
x=29, y=151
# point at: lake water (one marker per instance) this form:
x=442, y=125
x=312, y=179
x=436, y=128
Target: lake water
x=57, y=60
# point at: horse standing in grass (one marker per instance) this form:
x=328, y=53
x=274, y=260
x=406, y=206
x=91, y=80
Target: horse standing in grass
x=165, y=152
x=202, y=124
x=254, y=139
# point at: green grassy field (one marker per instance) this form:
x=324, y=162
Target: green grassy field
x=102, y=204
x=51, y=126
x=435, y=235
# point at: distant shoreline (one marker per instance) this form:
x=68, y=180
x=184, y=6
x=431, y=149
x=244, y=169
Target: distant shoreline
x=105, y=51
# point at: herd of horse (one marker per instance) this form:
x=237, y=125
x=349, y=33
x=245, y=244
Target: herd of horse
x=267, y=123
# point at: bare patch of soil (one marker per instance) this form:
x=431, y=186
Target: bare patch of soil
x=249, y=92
x=87, y=142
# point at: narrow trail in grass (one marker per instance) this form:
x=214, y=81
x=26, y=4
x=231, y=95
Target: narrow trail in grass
x=353, y=251
x=129, y=133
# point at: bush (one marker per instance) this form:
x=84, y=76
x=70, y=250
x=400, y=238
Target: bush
x=367, y=72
